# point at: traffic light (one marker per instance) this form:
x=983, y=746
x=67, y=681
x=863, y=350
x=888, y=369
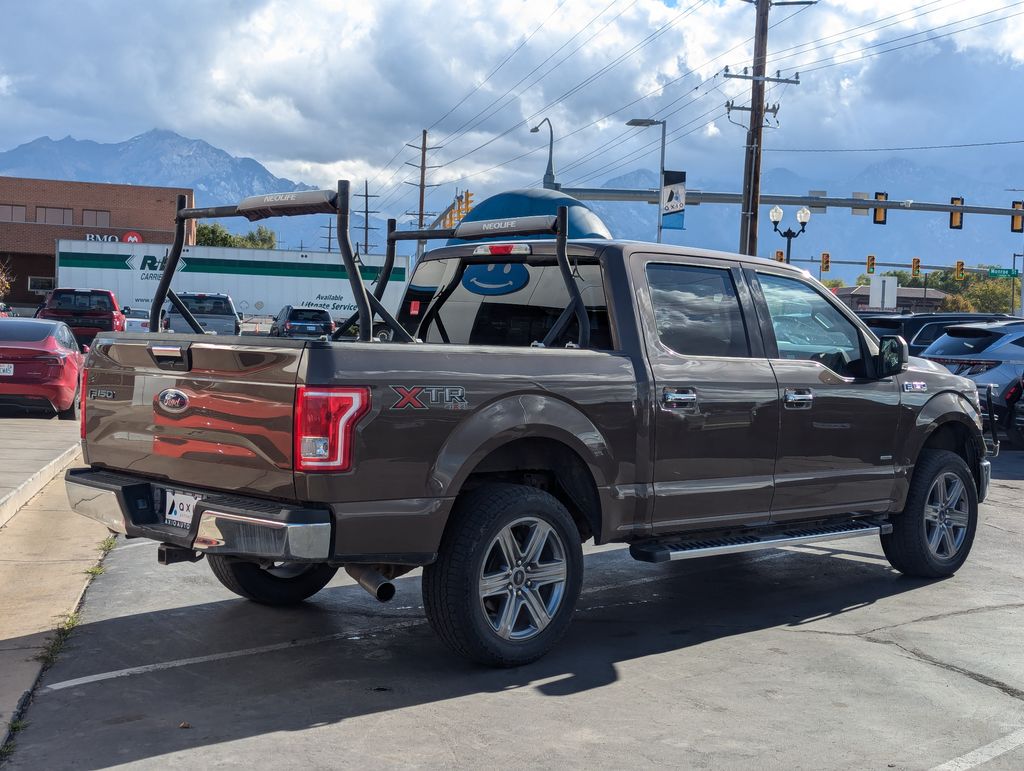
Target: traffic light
x=871, y=263
x=826, y=262
x=1017, y=220
x=958, y=271
x=878, y=214
x=780, y=256
x=915, y=267
x=467, y=202
x=956, y=218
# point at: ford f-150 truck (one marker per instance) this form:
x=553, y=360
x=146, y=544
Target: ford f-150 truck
x=536, y=393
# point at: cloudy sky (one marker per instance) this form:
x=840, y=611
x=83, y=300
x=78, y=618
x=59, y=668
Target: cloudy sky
x=322, y=89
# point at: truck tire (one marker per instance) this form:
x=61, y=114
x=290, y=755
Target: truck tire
x=933, y=535
x=285, y=584
x=504, y=587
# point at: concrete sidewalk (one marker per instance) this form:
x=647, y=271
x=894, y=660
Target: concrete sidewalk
x=32, y=451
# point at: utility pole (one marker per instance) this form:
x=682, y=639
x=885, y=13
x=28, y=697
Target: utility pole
x=330, y=233
x=1013, y=284
x=365, y=195
x=755, y=130
x=420, y=245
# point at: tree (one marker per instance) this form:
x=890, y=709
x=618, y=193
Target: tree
x=6, y=279
x=833, y=283
x=956, y=302
x=218, y=235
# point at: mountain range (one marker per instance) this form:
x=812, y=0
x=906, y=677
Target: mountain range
x=162, y=157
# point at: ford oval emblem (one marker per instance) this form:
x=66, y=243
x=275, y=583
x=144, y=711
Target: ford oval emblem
x=493, y=280
x=172, y=400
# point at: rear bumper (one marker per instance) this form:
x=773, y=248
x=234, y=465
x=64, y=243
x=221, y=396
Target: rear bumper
x=221, y=524
x=36, y=395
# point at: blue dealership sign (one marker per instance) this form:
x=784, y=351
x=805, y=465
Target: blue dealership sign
x=495, y=279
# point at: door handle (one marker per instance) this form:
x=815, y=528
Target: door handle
x=679, y=399
x=798, y=398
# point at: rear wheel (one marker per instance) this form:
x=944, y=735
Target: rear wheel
x=71, y=413
x=280, y=583
x=506, y=581
x=934, y=534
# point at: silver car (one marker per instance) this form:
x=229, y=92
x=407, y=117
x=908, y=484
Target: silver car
x=989, y=354
x=215, y=312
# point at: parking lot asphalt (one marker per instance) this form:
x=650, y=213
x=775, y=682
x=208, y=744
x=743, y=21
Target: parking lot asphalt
x=809, y=657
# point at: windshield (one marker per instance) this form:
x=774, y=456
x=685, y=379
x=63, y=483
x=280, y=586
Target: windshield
x=314, y=315
x=205, y=305
x=508, y=304
x=84, y=300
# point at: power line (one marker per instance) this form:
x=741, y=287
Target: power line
x=891, y=149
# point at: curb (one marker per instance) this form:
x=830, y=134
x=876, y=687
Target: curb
x=14, y=500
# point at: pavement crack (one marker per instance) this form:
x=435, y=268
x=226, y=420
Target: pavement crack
x=990, y=682
x=947, y=614
x=1004, y=529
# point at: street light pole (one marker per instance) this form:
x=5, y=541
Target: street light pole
x=803, y=216
x=661, y=166
x=549, y=175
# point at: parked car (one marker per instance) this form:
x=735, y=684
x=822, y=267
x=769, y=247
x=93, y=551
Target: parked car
x=214, y=311
x=136, y=320
x=301, y=322
x=683, y=401
x=922, y=329
x=87, y=311
x=989, y=354
x=40, y=366
x=5, y=310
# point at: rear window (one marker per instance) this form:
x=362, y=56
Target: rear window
x=506, y=304
x=206, y=306
x=309, y=315
x=24, y=331
x=962, y=343
x=139, y=314
x=65, y=300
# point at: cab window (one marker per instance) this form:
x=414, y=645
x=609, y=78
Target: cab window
x=807, y=326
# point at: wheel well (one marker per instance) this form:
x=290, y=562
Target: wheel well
x=548, y=465
x=956, y=438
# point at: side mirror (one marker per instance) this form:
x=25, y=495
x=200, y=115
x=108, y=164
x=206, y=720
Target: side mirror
x=85, y=349
x=239, y=314
x=893, y=356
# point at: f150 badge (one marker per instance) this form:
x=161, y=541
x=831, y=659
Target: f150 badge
x=421, y=397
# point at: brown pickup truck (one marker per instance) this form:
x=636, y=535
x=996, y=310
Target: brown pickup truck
x=537, y=392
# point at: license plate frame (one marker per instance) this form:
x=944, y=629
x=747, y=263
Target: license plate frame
x=178, y=508
x=6, y=370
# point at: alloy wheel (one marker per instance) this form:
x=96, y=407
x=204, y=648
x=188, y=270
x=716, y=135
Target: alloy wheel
x=946, y=515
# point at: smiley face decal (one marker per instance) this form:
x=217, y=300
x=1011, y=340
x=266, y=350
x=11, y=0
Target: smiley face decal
x=493, y=280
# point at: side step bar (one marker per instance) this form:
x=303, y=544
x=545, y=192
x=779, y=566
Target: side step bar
x=684, y=548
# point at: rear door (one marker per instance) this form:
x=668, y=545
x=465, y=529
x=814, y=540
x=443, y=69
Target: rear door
x=186, y=408
x=838, y=428
x=717, y=402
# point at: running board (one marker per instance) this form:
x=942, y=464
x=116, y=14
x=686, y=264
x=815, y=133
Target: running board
x=684, y=549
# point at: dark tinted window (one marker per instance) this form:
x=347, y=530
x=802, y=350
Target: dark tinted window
x=206, y=306
x=697, y=311
x=138, y=314
x=67, y=300
x=18, y=331
x=310, y=315
x=962, y=343
x=930, y=333
x=509, y=304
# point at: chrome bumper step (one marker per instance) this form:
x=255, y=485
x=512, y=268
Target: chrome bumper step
x=676, y=548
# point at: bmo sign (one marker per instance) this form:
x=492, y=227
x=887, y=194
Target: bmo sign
x=131, y=237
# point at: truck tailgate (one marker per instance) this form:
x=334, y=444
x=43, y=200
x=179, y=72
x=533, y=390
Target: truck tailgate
x=189, y=409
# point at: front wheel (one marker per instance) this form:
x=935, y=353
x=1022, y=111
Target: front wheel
x=933, y=535
x=504, y=587
x=281, y=583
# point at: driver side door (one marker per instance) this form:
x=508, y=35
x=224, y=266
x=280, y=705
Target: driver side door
x=838, y=427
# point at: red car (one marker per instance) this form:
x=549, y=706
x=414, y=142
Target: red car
x=87, y=311
x=40, y=366
x=5, y=310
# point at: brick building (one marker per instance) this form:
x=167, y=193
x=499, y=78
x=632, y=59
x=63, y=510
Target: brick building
x=909, y=299
x=36, y=213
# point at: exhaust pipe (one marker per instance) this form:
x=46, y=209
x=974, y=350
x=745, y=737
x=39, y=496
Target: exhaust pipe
x=372, y=581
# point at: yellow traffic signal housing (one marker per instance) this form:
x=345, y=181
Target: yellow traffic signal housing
x=826, y=262
x=780, y=256
x=1017, y=220
x=915, y=267
x=956, y=218
x=958, y=271
x=467, y=202
x=871, y=263
x=878, y=214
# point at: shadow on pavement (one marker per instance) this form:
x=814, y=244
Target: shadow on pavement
x=386, y=658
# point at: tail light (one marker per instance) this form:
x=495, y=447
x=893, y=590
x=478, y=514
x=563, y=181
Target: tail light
x=1012, y=393
x=324, y=421
x=287, y=325
x=331, y=327
x=966, y=366
x=83, y=391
